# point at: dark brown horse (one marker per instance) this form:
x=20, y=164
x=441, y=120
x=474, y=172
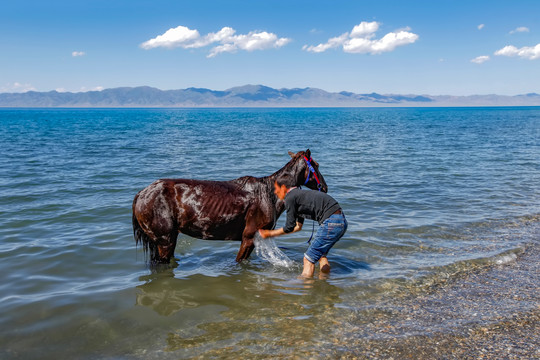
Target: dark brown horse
x=214, y=210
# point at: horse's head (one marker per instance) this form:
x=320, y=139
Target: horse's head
x=306, y=171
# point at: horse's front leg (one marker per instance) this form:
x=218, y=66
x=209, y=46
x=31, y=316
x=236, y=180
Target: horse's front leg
x=254, y=221
x=246, y=248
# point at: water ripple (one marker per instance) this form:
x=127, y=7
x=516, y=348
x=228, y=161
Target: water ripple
x=429, y=194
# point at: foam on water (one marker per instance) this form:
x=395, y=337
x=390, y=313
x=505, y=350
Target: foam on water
x=268, y=250
x=505, y=259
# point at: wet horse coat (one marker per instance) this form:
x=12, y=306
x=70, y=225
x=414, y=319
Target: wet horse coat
x=214, y=210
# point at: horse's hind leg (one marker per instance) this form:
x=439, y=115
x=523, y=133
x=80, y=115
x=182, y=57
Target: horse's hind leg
x=165, y=248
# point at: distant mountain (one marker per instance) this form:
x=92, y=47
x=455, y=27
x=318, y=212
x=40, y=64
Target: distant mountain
x=249, y=96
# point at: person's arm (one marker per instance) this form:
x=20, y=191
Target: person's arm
x=277, y=232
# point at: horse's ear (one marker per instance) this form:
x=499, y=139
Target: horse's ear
x=291, y=154
x=308, y=153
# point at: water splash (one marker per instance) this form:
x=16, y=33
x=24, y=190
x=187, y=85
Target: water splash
x=268, y=250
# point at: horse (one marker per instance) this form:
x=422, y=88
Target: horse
x=215, y=210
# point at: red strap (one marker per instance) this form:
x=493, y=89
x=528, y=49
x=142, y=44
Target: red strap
x=311, y=169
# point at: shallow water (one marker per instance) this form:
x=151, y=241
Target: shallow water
x=430, y=195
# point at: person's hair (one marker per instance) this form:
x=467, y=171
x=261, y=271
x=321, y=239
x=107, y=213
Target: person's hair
x=286, y=179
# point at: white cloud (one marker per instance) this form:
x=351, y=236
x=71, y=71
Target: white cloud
x=480, y=59
x=526, y=52
x=332, y=43
x=520, y=30
x=250, y=42
x=186, y=38
x=481, y=26
x=360, y=40
x=16, y=87
x=365, y=30
x=81, y=89
x=78, y=53
x=179, y=36
x=85, y=89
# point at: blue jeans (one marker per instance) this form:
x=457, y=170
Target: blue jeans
x=330, y=231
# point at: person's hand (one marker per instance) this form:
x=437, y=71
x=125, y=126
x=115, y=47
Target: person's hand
x=264, y=233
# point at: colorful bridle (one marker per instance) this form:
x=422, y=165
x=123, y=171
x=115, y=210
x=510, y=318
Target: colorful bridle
x=312, y=170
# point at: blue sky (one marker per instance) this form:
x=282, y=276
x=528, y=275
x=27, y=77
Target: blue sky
x=408, y=47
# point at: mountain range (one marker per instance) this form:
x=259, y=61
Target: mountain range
x=249, y=96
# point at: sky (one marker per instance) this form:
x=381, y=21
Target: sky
x=431, y=47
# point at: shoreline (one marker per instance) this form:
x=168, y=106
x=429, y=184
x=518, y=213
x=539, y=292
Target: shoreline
x=492, y=314
x=512, y=338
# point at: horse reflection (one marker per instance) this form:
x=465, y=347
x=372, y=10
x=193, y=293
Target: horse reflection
x=234, y=296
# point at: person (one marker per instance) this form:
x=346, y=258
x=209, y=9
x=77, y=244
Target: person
x=313, y=205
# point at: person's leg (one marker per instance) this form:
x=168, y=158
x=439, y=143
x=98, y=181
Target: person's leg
x=309, y=268
x=327, y=235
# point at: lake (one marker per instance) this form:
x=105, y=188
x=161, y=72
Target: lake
x=433, y=196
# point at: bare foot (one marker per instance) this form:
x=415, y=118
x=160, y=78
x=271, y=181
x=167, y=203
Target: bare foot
x=324, y=265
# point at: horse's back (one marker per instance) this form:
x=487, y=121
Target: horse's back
x=198, y=208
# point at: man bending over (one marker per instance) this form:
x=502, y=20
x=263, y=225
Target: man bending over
x=313, y=205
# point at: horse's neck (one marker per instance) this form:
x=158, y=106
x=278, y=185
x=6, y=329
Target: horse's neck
x=278, y=205
x=265, y=186
x=261, y=187
x=289, y=167
x=255, y=186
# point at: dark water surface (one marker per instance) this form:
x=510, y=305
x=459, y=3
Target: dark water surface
x=431, y=195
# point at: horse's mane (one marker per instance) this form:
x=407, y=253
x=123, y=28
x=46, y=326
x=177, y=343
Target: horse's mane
x=243, y=181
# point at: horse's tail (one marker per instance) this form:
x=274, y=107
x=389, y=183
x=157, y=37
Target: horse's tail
x=141, y=237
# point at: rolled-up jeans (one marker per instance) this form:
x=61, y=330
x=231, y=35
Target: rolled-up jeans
x=329, y=232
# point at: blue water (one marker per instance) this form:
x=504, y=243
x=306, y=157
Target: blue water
x=430, y=195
